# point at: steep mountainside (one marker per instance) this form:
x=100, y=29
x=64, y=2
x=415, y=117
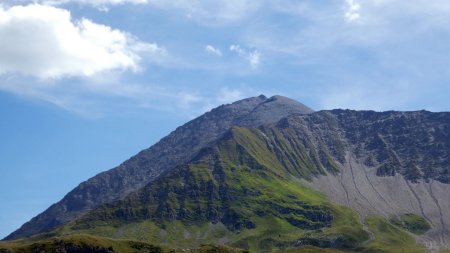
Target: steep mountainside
x=390, y=163
x=177, y=148
x=413, y=144
x=343, y=153
x=236, y=192
x=394, y=163
x=269, y=174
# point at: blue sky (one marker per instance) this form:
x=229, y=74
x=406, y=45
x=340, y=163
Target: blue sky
x=84, y=85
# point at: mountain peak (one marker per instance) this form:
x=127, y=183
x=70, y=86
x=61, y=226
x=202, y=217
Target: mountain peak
x=177, y=148
x=262, y=96
x=288, y=102
x=271, y=110
x=283, y=99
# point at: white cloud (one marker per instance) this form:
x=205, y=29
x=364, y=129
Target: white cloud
x=353, y=7
x=252, y=56
x=212, y=50
x=45, y=42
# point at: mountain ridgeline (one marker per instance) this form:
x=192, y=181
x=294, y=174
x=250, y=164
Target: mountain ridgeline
x=269, y=174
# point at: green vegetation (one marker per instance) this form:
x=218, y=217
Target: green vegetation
x=79, y=242
x=236, y=193
x=87, y=243
x=411, y=222
x=312, y=249
x=244, y=192
x=390, y=238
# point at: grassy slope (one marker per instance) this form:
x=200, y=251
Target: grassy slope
x=390, y=238
x=412, y=222
x=78, y=239
x=244, y=193
x=100, y=245
x=236, y=193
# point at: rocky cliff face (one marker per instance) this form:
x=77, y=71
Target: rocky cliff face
x=177, y=148
x=413, y=144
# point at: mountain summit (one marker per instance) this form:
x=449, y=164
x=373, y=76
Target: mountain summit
x=175, y=149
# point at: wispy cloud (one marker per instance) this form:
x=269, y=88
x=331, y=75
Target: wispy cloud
x=95, y=3
x=211, y=12
x=360, y=54
x=352, y=14
x=205, y=12
x=212, y=50
x=339, y=46
x=229, y=95
x=251, y=55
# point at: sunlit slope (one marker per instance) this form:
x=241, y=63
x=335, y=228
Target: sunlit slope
x=236, y=192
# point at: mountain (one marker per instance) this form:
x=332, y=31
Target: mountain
x=229, y=193
x=269, y=174
x=177, y=148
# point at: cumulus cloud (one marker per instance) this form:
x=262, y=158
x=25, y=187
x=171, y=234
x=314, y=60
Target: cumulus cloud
x=45, y=42
x=212, y=50
x=252, y=56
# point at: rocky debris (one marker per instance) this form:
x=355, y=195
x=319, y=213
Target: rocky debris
x=387, y=163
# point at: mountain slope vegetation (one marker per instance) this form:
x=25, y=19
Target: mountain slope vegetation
x=176, y=149
x=300, y=181
x=236, y=190
x=238, y=193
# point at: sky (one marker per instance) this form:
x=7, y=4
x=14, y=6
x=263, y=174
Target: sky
x=86, y=84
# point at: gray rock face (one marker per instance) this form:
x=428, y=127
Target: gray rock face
x=177, y=148
x=415, y=145
x=388, y=163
